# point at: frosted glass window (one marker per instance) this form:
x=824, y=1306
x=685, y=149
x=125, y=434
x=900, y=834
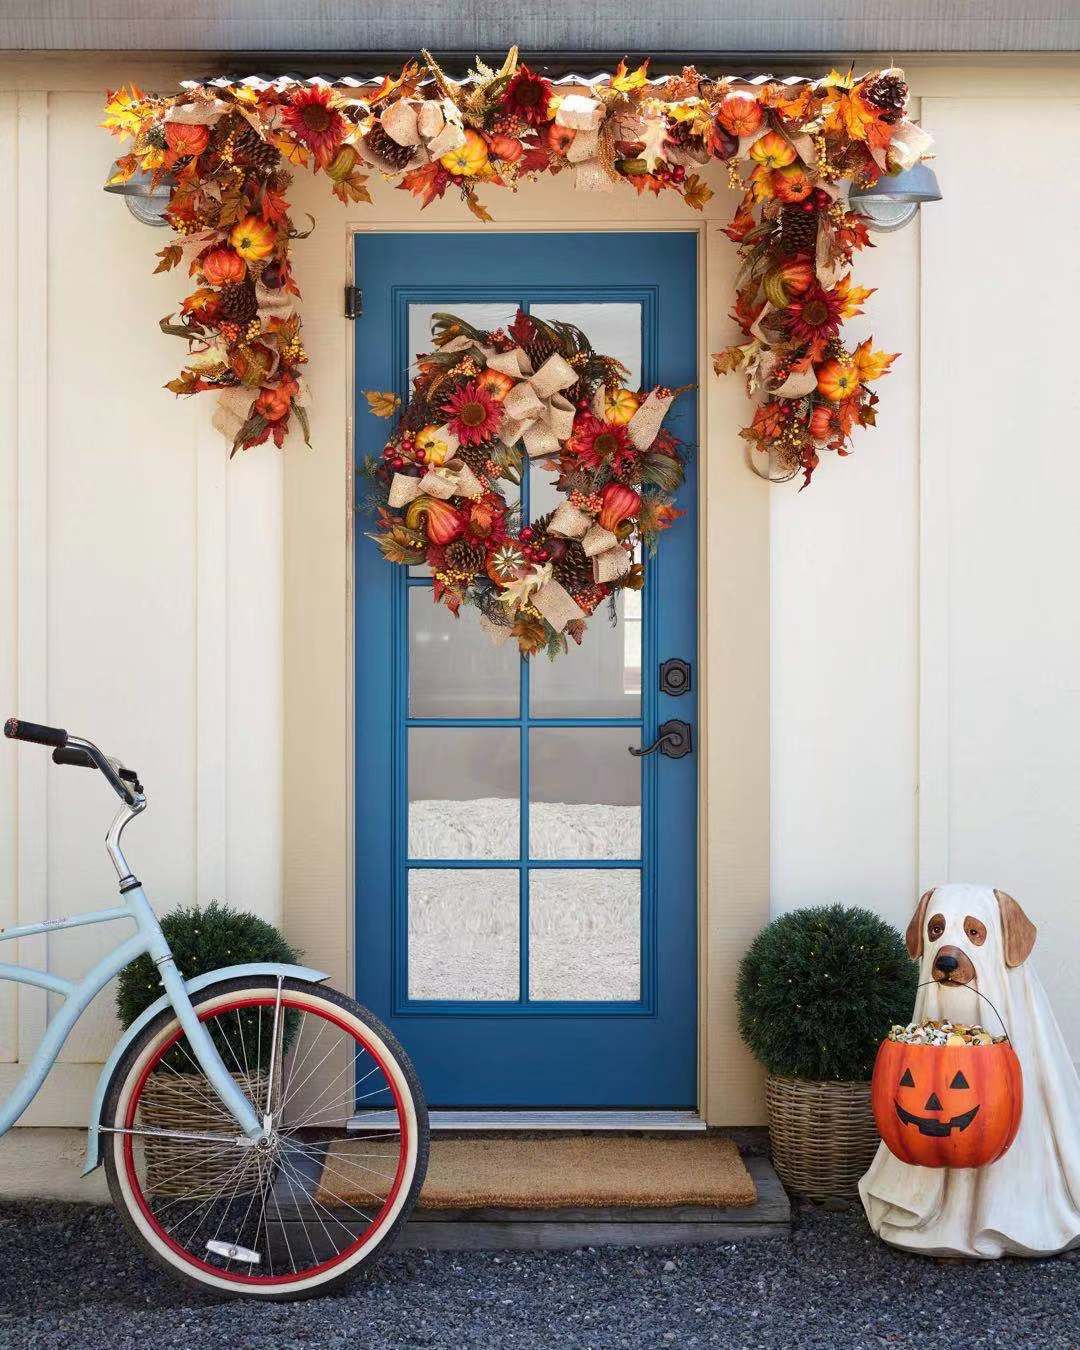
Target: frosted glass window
x=602, y=677
x=486, y=314
x=464, y=784
x=613, y=328
x=585, y=934
x=455, y=670
x=463, y=933
x=584, y=793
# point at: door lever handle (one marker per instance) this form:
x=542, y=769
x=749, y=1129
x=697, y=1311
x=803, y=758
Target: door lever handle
x=675, y=740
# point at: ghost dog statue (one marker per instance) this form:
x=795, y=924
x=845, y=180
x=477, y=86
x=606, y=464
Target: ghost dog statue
x=1028, y=1202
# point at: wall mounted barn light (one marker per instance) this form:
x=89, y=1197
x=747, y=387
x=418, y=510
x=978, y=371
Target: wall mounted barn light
x=894, y=200
x=146, y=200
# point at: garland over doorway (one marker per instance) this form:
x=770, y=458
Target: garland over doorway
x=793, y=148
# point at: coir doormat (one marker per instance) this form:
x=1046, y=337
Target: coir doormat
x=579, y=1172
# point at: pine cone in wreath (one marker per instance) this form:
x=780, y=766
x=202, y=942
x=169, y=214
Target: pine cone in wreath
x=538, y=348
x=888, y=93
x=475, y=456
x=464, y=557
x=798, y=230
x=251, y=150
x=383, y=146
x=238, y=303
x=573, y=568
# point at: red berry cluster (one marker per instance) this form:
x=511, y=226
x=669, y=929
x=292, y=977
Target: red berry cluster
x=669, y=173
x=402, y=453
x=534, y=553
x=818, y=200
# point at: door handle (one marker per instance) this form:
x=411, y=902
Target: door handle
x=675, y=740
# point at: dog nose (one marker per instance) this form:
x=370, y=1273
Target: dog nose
x=945, y=962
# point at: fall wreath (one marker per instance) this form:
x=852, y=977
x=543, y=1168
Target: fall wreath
x=484, y=404
x=793, y=148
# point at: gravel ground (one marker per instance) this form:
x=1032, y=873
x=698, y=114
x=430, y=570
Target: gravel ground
x=70, y=1278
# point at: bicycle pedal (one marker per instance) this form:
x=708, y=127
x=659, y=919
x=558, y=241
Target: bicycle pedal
x=231, y=1252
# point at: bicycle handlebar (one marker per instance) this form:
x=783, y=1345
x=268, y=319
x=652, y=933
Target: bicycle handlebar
x=34, y=731
x=81, y=759
x=124, y=782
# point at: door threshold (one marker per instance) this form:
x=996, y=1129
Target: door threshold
x=673, y=1121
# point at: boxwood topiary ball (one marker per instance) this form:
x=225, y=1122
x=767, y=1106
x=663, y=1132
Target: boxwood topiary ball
x=202, y=939
x=819, y=989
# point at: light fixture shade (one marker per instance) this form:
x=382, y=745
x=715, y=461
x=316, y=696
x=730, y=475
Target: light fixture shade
x=146, y=200
x=894, y=200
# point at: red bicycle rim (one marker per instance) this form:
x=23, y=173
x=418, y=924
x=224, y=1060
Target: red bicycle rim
x=236, y=1277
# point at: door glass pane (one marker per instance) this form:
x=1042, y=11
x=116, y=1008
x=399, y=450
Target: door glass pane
x=585, y=934
x=455, y=670
x=463, y=933
x=613, y=328
x=602, y=677
x=584, y=793
x=463, y=792
x=486, y=314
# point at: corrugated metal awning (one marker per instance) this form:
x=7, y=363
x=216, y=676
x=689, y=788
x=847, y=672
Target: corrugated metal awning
x=717, y=30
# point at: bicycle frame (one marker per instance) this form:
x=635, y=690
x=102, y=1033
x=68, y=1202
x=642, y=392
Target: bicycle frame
x=147, y=939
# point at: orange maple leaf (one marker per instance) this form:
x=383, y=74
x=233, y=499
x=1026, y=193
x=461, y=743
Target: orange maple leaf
x=871, y=365
x=696, y=192
x=852, y=298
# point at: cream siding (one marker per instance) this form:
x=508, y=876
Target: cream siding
x=889, y=658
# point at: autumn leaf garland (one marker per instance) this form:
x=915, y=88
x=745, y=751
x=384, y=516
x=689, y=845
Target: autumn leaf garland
x=792, y=149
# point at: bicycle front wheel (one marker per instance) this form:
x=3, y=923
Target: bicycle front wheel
x=301, y=1211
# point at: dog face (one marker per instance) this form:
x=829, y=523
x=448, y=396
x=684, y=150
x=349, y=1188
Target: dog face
x=955, y=929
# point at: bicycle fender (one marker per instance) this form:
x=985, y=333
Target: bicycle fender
x=193, y=986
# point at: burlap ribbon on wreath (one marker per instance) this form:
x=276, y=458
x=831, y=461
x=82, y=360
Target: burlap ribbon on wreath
x=453, y=479
x=609, y=559
x=535, y=410
x=540, y=589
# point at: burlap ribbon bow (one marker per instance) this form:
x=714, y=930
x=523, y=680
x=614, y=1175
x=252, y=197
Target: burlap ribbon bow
x=609, y=559
x=422, y=126
x=535, y=410
x=546, y=595
x=453, y=479
x=592, y=151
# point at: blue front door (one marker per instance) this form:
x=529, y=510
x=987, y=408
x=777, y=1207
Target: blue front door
x=526, y=889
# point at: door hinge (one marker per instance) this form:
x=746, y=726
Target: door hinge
x=354, y=302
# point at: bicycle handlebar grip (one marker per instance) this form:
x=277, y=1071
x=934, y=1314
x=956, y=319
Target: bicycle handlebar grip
x=80, y=758
x=34, y=731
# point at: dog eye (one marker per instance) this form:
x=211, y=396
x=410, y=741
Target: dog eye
x=959, y=1081
x=975, y=930
x=935, y=927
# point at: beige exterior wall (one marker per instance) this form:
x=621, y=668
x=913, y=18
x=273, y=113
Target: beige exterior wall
x=886, y=660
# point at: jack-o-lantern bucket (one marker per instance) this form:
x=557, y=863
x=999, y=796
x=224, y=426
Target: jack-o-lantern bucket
x=945, y=1105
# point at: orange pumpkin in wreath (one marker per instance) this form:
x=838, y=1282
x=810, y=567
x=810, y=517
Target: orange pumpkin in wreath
x=947, y=1106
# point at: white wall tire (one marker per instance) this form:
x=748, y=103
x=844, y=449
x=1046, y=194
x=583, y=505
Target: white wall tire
x=214, y=1005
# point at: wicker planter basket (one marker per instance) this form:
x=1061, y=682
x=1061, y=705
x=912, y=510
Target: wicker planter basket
x=822, y=1135
x=173, y=1101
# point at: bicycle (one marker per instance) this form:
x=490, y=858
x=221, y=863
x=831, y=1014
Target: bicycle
x=263, y=1135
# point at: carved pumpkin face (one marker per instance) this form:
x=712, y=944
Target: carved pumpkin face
x=947, y=1106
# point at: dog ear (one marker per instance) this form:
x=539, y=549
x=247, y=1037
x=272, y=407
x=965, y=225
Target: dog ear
x=1017, y=930
x=914, y=937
